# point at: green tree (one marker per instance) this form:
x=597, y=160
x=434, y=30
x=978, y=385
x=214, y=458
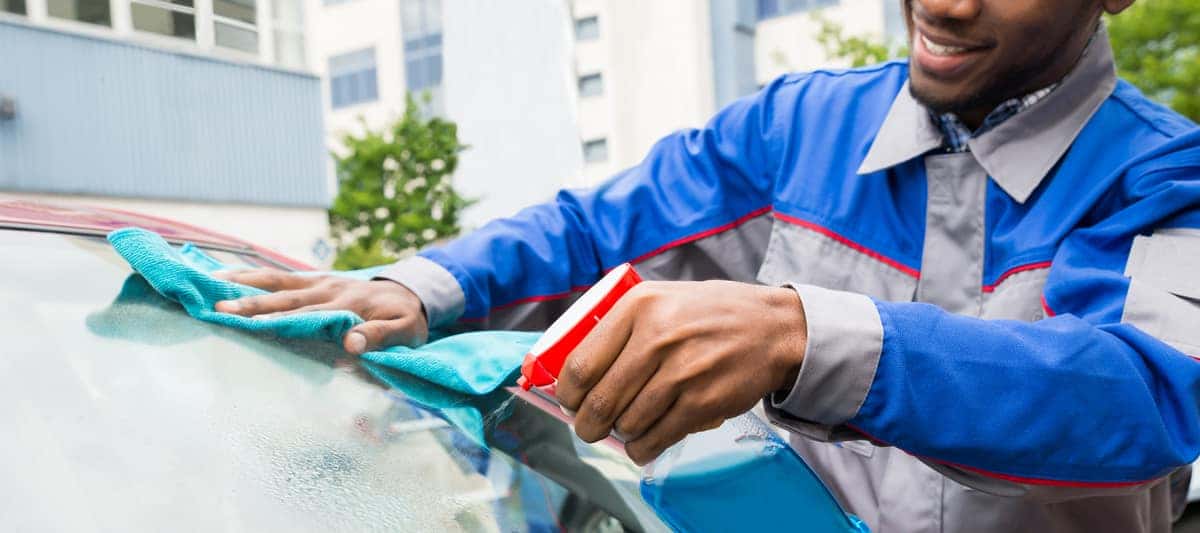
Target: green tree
x=857, y=50
x=1157, y=48
x=394, y=190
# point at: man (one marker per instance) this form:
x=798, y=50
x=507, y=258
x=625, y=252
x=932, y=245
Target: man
x=976, y=289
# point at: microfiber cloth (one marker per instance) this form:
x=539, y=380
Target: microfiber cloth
x=473, y=363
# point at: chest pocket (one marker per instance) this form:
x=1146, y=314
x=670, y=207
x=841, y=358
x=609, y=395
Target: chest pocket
x=1164, y=288
x=798, y=254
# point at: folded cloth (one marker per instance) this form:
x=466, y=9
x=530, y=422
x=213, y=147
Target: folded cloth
x=471, y=363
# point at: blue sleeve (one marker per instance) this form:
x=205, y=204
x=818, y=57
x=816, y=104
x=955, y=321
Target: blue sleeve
x=693, y=184
x=1084, y=398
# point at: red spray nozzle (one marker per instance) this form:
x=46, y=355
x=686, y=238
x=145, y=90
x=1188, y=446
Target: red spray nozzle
x=545, y=360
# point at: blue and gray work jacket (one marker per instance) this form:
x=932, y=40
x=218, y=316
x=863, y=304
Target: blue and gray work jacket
x=998, y=340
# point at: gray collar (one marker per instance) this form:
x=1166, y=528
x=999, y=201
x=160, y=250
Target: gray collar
x=1018, y=153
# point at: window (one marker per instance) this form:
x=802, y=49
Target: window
x=587, y=29
x=595, y=151
x=353, y=78
x=289, y=33
x=89, y=11
x=591, y=85
x=176, y=19
x=13, y=6
x=775, y=8
x=422, y=27
x=234, y=25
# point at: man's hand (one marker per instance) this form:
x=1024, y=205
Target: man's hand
x=673, y=358
x=393, y=314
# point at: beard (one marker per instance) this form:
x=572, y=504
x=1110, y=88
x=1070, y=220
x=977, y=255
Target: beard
x=1010, y=84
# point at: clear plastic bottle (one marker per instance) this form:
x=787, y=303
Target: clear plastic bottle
x=741, y=476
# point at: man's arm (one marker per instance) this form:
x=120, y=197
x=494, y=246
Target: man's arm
x=696, y=208
x=1100, y=397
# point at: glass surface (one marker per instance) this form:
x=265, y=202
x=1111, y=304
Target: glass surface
x=422, y=71
x=13, y=6
x=587, y=29
x=121, y=413
x=591, y=85
x=419, y=18
x=235, y=37
x=774, y=8
x=163, y=21
x=242, y=10
x=289, y=13
x=89, y=11
x=353, y=78
x=595, y=151
x=289, y=49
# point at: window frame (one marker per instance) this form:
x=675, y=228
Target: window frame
x=167, y=6
x=782, y=8
x=120, y=26
x=595, y=23
x=597, y=141
x=343, y=73
x=582, y=82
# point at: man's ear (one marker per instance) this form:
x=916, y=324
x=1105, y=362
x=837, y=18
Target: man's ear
x=1112, y=7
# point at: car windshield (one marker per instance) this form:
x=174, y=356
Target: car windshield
x=123, y=413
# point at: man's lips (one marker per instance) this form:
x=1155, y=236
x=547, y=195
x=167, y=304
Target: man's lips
x=943, y=56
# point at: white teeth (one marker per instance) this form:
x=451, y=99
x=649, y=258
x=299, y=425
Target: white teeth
x=941, y=50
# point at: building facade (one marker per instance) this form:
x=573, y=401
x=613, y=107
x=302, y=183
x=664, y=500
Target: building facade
x=561, y=93
x=198, y=111
x=500, y=70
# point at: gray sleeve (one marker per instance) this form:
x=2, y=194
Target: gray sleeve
x=845, y=339
x=439, y=292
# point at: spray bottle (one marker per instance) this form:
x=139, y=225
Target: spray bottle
x=741, y=476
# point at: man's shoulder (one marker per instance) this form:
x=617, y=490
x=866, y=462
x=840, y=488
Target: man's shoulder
x=881, y=81
x=1153, y=115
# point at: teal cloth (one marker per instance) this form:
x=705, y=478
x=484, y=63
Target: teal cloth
x=473, y=363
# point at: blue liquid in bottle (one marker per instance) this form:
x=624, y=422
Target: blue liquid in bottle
x=750, y=488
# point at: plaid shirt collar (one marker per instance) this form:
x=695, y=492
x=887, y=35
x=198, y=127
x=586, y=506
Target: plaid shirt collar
x=957, y=134
x=1019, y=149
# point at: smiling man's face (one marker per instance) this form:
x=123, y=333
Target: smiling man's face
x=970, y=55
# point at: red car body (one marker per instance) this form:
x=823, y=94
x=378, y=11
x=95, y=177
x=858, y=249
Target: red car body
x=100, y=220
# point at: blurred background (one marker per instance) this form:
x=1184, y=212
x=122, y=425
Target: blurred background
x=353, y=132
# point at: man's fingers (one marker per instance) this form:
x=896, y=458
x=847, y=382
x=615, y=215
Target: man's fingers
x=650, y=404
x=267, y=279
x=378, y=334
x=305, y=309
x=271, y=303
x=678, y=421
x=588, y=362
x=618, y=387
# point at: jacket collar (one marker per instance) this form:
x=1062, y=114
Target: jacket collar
x=1018, y=153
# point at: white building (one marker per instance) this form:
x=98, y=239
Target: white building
x=646, y=69
x=500, y=70
x=560, y=93
x=197, y=110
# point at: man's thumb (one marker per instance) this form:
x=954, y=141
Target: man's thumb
x=377, y=334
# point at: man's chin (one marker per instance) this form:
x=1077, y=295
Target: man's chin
x=942, y=100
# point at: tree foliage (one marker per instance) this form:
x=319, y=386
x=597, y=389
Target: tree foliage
x=394, y=190
x=857, y=50
x=1157, y=48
